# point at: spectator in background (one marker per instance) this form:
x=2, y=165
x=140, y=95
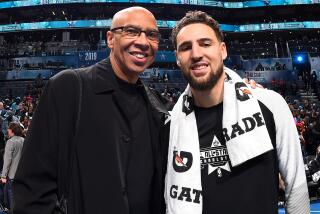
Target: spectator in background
x=21, y=111
x=2, y=111
x=314, y=81
x=30, y=111
x=11, y=158
x=2, y=105
x=301, y=132
x=8, y=118
x=26, y=123
x=14, y=104
x=314, y=166
x=2, y=146
x=2, y=118
x=315, y=130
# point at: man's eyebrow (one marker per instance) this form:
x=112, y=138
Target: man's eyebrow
x=137, y=26
x=199, y=40
x=183, y=44
x=204, y=40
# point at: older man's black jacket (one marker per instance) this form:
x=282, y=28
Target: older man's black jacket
x=97, y=176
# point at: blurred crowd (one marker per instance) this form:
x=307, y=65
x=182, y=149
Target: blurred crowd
x=15, y=117
x=21, y=108
x=306, y=116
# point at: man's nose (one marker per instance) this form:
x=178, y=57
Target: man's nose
x=196, y=52
x=142, y=41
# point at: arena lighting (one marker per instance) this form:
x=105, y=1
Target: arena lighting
x=300, y=58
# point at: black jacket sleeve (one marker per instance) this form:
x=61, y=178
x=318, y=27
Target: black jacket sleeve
x=35, y=184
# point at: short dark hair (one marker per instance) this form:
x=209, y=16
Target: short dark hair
x=16, y=128
x=193, y=17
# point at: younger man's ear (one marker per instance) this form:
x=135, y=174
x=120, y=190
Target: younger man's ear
x=178, y=61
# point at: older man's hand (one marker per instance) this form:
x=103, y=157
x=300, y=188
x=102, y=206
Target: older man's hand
x=253, y=84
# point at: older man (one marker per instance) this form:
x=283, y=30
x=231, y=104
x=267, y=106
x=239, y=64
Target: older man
x=116, y=162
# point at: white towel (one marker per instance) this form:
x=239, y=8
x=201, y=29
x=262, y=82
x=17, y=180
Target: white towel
x=244, y=130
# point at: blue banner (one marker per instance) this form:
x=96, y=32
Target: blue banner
x=161, y=24
x=213, y=3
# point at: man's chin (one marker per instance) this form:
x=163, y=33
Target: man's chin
x=136, y=72
x=204, y=84
x=140, y=68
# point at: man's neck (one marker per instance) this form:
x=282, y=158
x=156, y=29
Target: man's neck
x=211, y=97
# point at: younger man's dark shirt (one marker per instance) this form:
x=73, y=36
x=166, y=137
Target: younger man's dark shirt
x=249, y=188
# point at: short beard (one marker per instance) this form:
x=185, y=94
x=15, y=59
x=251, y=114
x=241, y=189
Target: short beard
x=207, y=84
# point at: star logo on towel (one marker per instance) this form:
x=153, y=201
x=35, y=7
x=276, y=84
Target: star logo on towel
x=215, y=157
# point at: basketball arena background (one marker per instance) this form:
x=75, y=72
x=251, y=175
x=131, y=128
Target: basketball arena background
x=275, y=42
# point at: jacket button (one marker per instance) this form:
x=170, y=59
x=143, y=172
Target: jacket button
x=124, y=191
x=126, y=138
